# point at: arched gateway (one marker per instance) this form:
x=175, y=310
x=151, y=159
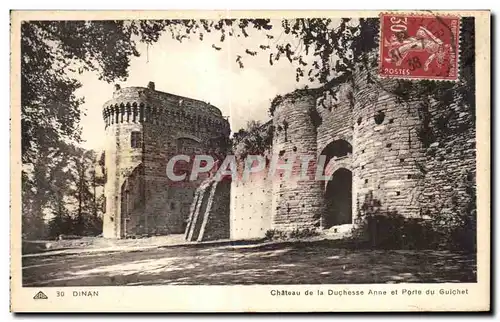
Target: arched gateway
x=338, y=190
x=338, y=198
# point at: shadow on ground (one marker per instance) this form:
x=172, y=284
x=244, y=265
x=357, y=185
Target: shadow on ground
x=300, y=263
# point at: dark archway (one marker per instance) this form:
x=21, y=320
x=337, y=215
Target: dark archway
x=336, y=149
x=338, y=196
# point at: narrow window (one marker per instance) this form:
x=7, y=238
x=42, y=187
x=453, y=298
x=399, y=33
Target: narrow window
x=135, y=140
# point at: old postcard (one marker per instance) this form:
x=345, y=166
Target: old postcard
x=235, y=161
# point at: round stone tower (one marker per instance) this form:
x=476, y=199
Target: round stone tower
x=144, y=129
x=387, y=150
x=297, y=201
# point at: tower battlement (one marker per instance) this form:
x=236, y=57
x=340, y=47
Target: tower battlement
x=145, y=104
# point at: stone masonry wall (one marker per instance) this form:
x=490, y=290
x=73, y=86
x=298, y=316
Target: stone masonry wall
x=120, y=161
x=387, y=151
x=336, y=116
x=168, y=125
x=337, y=124
x=209, y=213
x=389, y=160
x=450, y=162
x=251, y=202
x=216, y=221
x=449, y=179
x=296, y=203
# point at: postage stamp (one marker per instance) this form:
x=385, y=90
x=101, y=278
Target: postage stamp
x=419, y=46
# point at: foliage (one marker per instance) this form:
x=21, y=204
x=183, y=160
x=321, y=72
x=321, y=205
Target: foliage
x=393, y=231
x=315, y=117
x=255, y=139
x=454, y=222
x=53, y=49
x=276, y=234
x=303, y=233
x=425, y=131
x=272, y=234
x=292, y=96
x=277, y=100
x=88, y=225
x=445, y=94
x=52, y=54
x=385, y=229
x=63, y=184
x=320, y=38
x=455, y=229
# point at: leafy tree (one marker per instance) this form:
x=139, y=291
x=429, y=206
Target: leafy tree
x=52, y=54
x=53, y=50
x=43, y=190
x=324, y=51
x=255, y=139
x=64, y=186
x=62, y=222
x=82, y=190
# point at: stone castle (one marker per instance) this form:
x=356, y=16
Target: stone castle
x=144, y=129
x=374, y=144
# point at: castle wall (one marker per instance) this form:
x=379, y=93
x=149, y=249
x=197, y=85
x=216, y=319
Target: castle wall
x=450, y=162
x=337, y=125
x=251, y=203
x=209, y=213
x=387, y=157
x=216, y=221
x=420, y=161
x=387, y=151
x=384, y=153
x=120, y=161
x=132, y=198
x=336, y=116
x=449, y=165
x=296, y=203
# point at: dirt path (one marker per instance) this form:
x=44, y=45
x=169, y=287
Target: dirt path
x=273, y=264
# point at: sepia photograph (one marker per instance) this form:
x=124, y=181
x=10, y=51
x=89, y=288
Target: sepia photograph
x=285, y=150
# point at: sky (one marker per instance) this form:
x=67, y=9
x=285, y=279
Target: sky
x=194, y=69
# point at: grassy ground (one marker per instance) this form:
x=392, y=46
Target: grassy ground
x=298, y=263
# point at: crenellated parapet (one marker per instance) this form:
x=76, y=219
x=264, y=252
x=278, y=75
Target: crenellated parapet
x=145, y=105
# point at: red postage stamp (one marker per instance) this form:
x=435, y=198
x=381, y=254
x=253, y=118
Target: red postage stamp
x=419, y=46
